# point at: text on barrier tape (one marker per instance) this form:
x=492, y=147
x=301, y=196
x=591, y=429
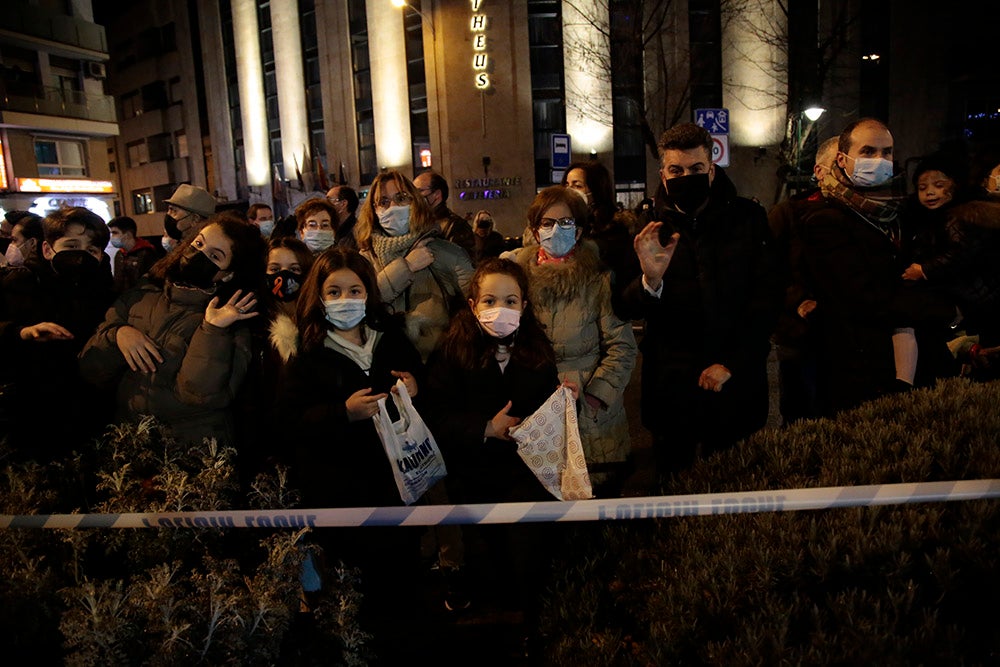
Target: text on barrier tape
x=653, y=507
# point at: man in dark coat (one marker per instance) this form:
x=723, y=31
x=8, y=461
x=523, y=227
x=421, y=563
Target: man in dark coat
x=851, y=256
x=454, y=227
x=710, y=295
x=345, y=203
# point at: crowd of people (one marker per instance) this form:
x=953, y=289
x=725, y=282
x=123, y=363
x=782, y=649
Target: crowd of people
x=280, y=337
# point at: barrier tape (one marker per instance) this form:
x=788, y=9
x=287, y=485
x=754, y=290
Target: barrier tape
x=613, y=509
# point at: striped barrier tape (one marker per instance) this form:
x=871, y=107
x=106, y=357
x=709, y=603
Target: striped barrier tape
x=612, y=509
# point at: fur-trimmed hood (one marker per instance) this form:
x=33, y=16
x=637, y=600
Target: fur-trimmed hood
x=552, y=281
x=284, y=336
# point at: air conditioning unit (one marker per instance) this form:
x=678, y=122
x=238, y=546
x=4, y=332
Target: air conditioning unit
x=95, y=70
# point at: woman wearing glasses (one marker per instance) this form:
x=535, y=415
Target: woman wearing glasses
x=419, y=272
x=570, y=292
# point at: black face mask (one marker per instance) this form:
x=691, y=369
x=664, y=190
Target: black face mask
x=688, y=192
x=196, y=269
x=76, y=265
x=170, y=227
x=284, y=285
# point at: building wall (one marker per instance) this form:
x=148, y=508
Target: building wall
x=475, y=125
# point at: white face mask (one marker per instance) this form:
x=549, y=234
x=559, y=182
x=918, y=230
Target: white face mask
x=395, y=220
x=14, y=256
x=318, y=240
x=499, y=322
x=870, y=172
x=345, y=314
x=168, y=243
x=266, y=227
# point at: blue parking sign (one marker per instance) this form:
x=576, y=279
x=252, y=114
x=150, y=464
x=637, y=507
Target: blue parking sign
x=716, y=121
x=560, y=151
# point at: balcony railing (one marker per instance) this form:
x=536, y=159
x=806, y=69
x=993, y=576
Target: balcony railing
x=26, y=19
x=52, y=101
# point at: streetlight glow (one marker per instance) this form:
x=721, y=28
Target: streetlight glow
x=813, y=113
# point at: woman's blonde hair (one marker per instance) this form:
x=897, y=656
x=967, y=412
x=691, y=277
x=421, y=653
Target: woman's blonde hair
x=421, y=217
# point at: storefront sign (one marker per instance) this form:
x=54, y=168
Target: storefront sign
x=63, y=185
x=480, y=56
x=485, y=188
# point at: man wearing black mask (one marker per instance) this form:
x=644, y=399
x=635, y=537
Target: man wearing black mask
x=710, y=296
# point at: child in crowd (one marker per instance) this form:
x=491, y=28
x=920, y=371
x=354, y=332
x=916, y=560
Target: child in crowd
x=349, y=354
x=494, y=367
x=261, y=439
x=175, y=347
x=54, y=297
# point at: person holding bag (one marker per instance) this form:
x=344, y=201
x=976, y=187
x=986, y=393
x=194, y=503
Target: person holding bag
x=493, y=368
x=348, y=355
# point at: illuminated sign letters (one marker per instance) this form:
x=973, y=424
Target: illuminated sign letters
x=480, y=57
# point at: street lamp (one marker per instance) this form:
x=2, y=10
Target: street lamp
x=400, y=4
x=813, y=113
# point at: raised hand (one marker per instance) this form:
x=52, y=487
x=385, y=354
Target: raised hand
x=654, y=258
x=237, y=308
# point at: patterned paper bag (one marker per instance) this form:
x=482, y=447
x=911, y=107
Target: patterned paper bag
x=549, y=443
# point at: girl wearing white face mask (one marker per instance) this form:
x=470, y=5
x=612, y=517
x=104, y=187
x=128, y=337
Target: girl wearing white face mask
x=419, y=272
x=493, y=368
x=350, y=353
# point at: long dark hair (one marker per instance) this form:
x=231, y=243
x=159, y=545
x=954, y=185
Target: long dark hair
x=470, y=347
x=246, y=265
x=310, y=314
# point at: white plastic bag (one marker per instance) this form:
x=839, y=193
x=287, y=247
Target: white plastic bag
x=549, y=443
x=413, y=453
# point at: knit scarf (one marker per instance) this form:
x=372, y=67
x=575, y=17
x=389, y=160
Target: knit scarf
x=389, y=248
x=880, y=208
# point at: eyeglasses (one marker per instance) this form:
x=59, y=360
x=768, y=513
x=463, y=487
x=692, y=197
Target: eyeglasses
x=565, y=223
x=399, y=199
x=312, y=224
x=334, y=200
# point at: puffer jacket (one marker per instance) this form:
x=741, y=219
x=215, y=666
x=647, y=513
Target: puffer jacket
x=427, y=296
x=594, y=348
x=203, y=365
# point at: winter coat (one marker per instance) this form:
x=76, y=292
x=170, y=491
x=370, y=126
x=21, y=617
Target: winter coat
x=967, y=265
x=719, y=302
x=131, y=265
x=455, y=228
x=461, y=401
x=202, y=369
x=428, y=296
x=855, y=271
x=71, y=411
x=340, y=463
x=594, y=348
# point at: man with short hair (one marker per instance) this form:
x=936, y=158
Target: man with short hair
x=710, y=296
x=261, y=216
x=135, y=254
x=187, y=211
x=454, y=227
x=868, y=321
x=345, y=203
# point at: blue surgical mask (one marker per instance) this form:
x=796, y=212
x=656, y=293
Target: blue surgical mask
x=344, y=314
x=266, y=227
x=116, y=243
x=395, y=220
x=557, y=241
x=318, y=240
x=870, y=172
